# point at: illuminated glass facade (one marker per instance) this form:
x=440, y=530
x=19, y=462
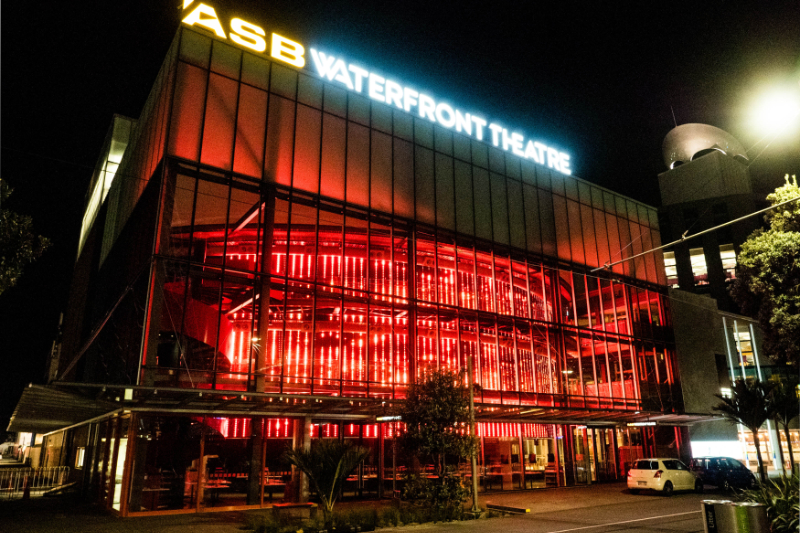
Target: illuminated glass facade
x=280, y=259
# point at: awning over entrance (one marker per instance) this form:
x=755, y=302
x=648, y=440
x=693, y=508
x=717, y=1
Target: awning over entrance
x=43, y=409
x=171, y=400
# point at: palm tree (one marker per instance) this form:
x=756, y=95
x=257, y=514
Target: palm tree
x=327, y=464
x=784, y=407
x=748, y=406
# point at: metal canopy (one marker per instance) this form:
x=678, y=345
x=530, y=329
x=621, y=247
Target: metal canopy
x=173, y=400
x=42, y=409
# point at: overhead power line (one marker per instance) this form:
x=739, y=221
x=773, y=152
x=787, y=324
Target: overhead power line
x=685, y=237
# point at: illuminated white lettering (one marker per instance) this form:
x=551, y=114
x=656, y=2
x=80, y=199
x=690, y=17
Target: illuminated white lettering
x=530, y=152
x=479, y=124
x=394, y=94
x=248, y=35
x=288, y=51
x=445, y=115
x=495, y=133
x=463, y=122
x=565, y=164
x=427, y=107
x=516, y=144
x=360, y=74
x=540, y=148
x=341, y=75
x=409, y=98
x=204, y=15
x=552, y=158
x=324, y=64
x=376, y=87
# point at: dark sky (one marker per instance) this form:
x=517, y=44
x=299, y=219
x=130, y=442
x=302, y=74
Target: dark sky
x=599, y=80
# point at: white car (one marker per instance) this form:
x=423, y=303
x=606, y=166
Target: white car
x=664, y=475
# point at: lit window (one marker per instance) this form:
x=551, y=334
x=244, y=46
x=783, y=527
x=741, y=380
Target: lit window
x=670, y=269
x=79, y=457
x=699, y=268
x=728, y=256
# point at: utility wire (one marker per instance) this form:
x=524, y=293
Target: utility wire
x=684, y=237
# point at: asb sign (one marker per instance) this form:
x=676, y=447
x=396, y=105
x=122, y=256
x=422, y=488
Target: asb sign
x=377, y=87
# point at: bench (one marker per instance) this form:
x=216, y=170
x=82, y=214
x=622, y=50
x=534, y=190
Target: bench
x=294, y=510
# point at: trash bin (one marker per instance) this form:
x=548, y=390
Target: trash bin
x=741, y=517
x=710, y=521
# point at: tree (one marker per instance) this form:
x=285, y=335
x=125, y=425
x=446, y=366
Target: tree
x=327, y=464
x=783, y=407
x=767, y=283
x=436, y=415
x=748, y=405
x=19, y=246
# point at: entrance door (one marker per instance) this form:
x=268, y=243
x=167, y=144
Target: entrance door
x=582, y=457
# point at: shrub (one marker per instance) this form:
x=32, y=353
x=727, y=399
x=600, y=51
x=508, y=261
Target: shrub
x=442, y=498
x=781, y=497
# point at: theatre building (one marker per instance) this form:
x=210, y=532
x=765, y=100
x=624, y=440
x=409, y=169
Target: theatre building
x=270, y=257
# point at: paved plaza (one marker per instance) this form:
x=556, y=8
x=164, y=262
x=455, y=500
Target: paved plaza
x=596, y=509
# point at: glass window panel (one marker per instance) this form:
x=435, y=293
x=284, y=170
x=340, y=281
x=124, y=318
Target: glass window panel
x=236, y=331
x=671, y=269
x=382, y=118
x=283, y=81
x=468, y=341
x=516, y=216
x=327, y=343
x=425, y=269
x=519, y=286
x=621, y=309
x=485, y=281
x=461, y=147
x=589, y=236
x=280, y=137
x=630, y=381
x=403, y=179
x=302, y=241
x=181, y=223
x=248, y=154
x=601, y=237
x=595, y=303
x=279, y=237
x=571, y=370
x=649, y=259
x=575, y=231
x=545, y=361
x=268, y=345
x=381, y=172
x=443, y=140
x=589, y=373
x=355, y=254
x=565, y=297
x=463, y=194
x=561, y=228
x=307, y=149
x=448, y=342
x=244, y=218
x=333, y=156
x=506, y=356
x=354, y=349
x=403, y=125
x=625, y=245
x=445, y=194
x=255, y=71
x=195, y=48
x=211, y=213
x=424, y=186
x=380, y=362
x=400, y=261
x=480, y=154
x=503, y=285
x=497, y=160
x=615, y=368
x=614, y=246
x=527, y=365
x=426, y=334
x=423, y=133
x=381, y=279
x=335, y=101
x=607, y=298
x=466, y=278
x=499, y=209
x=728, y=256
x=582, y=312
x=446, y=263
x=358, y=109
x=541, y=308
x=309, y=91
x=533, y=235
x=490, y=371
x=329, y=251
x=187, y=112
x=225, y=59
x=358, y=165
x=483, y=211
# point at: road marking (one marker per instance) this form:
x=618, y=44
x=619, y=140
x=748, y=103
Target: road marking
x=625, y=522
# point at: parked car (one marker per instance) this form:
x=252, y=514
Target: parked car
x=724, y=472
x=664, y=475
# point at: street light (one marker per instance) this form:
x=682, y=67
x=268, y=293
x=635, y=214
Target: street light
x=777, y=111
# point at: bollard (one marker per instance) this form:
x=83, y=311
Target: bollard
x=710, y=519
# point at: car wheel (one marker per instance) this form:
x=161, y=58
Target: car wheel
x=668, y=489
x=698, y=486
x=634, y=491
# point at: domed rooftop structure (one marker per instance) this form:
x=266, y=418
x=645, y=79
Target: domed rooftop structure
x=687, y=142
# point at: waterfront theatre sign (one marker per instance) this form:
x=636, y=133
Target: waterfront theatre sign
x=361, y=80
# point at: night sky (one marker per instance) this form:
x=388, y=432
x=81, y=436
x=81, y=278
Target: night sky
x=599, y=80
